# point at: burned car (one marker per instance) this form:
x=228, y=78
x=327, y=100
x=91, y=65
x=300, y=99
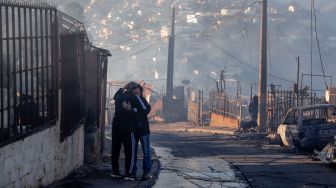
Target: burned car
x=308, y=128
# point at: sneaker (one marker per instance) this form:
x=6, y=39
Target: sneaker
x=129, y=177
x=146, y=176
x=116, y=175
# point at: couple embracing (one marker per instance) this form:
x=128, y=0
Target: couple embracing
x=129, y=127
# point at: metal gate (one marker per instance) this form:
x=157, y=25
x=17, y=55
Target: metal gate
x=28, y=68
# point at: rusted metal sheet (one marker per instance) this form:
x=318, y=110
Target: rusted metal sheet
x=92, y=85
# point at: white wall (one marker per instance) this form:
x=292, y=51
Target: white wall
x=41, y=159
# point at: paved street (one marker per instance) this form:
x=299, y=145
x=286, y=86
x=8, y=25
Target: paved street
x=232, y=161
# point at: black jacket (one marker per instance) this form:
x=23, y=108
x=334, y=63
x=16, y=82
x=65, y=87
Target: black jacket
x=142, y=125
x=124, y=120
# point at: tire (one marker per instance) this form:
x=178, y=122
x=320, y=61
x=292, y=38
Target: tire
x=281, y=142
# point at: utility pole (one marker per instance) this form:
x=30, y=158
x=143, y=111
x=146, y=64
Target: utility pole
x=199, y=108
x=262, y=90
x=311, y=52
x=298, y=80
x=170, y=68
x=240, y=107
x=202, y=105
x=238, y=89
x=251, y=92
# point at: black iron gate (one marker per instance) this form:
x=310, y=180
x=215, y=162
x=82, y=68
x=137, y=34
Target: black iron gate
x=28, y=68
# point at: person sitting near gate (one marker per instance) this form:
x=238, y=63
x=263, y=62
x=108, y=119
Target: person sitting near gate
x=253, y=110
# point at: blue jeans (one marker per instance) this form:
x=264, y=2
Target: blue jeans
x=147, y=156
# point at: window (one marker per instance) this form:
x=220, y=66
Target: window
x=319, y=115
x=291, y=118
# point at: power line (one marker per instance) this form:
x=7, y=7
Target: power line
x=135, y=28
x=318, y=45
x=203, y=32
x=244, y=7
x=135, y=53
x=241, y=61
x=145, y=34
x=158, y=39
x=107, y=45
x=234, y=16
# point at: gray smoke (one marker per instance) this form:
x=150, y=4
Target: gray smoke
x=131, y=31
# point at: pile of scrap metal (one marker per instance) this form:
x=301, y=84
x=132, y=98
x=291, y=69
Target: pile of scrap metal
x=328, y=154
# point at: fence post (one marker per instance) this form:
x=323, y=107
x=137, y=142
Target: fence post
x=202, y=104
x=199, y=107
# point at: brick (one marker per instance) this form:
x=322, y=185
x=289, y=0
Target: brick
x=37, y=138
x=4, y=180
x=14, y=175
x=1, y=165
x=9, y=164
x=8, y=151
x=29, y=156
x=28, y=140
x=12, y=185
x=17, y=147
x=47, y=146
x=19, y=159
x=27, y=168
x=1, y=153
x=41, y=171
x=30, y=180
x=23, y=181
x=19, y=183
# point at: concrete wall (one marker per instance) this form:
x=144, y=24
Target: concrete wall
x=92, y=144
x=40, y=159
x=223, y=121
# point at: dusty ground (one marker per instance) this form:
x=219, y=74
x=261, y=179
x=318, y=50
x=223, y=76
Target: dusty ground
x=196, y=158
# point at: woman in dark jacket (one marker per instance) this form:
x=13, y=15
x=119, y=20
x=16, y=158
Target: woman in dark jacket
x=142, y=134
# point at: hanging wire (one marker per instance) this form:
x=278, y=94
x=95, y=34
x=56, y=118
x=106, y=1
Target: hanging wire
x=318, y=44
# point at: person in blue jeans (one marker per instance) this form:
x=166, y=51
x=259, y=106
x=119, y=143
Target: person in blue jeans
x=142, y=133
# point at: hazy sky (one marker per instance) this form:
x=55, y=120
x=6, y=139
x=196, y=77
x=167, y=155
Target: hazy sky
x=324, y=5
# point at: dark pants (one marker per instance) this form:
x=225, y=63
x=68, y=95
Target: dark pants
x=125, y=138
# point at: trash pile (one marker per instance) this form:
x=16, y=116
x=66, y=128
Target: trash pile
x=328, y=154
